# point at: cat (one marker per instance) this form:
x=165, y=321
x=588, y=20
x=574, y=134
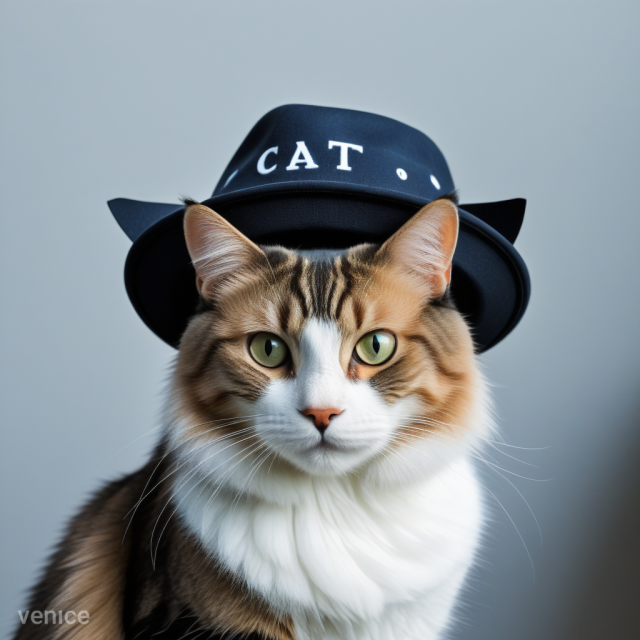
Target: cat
x=314, y=479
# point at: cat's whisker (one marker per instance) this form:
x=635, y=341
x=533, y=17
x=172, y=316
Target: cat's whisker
x=204, y=482
x=506, y=512
x=126, y=446
x=217, y=453
x=421, y=452
x=256, y=465
x=172, y=498
x=146, y=493
x=495, y=450
x=190, y=474
x=185, y=459
x=426, y=454
x=396, y=452
x=191, y=630
x=489, y=442
x=175, y=446
x=524, y=544
x=533, y=515
x=219, y=481
x=230, y=422
x=438, y=423
x=184, y=443
x=513, y=473
x=199, y=631
x=529, y=464
x=513, y=446
x=439, y=434
x=477, y=456
x=383, y=453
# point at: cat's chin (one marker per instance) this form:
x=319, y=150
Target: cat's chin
x=327, y=459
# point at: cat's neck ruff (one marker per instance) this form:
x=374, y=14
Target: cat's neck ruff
x=341, y=556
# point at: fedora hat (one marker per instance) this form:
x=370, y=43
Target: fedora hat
x=320, y=177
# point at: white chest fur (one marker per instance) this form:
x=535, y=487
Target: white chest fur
x=345, y=561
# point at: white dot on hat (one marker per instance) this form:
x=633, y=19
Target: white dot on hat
x=435, y=182
x=402, y=174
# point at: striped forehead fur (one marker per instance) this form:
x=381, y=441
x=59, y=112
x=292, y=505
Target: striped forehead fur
x=321, y=280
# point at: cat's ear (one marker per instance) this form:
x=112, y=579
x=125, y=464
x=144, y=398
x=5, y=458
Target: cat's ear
x=425, y=244
x=219, y=252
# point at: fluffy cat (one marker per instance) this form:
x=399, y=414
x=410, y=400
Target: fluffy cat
x=314, y=478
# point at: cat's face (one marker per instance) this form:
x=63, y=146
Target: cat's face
x=323, y=361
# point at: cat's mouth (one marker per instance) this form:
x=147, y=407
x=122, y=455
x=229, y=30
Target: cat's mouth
x=325, y=445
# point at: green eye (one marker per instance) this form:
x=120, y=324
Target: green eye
x=376, y=347
x=268, y=350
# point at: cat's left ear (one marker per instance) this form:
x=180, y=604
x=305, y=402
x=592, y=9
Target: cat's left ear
x=425, y=244
x=219, y=252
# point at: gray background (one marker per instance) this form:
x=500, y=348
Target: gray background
x=149, y=100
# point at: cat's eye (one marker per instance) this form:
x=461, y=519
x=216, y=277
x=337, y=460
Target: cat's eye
x=268, y=349
x=376, y=347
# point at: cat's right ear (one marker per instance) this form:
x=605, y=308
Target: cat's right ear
x=425, y=245
x=219, y=252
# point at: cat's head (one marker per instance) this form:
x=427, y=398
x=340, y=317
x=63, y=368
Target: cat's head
x=324, y=362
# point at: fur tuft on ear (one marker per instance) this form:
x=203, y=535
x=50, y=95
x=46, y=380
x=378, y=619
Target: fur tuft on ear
x=219, y=252
x=425, y=244
x=452, y=195
x=187, y=201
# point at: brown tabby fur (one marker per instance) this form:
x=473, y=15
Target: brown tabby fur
x=100, y=569
x=114, y=564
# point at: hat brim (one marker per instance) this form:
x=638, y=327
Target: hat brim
x=490, y=282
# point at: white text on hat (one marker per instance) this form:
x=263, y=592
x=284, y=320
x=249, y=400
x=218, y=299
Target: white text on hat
x=302, y=155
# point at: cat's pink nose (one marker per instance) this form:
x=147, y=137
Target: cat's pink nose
x=321, y=417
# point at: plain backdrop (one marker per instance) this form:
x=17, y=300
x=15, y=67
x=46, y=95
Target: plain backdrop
x=149, y=100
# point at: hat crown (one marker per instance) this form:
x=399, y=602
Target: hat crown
x=309, y=176
x=300, y=147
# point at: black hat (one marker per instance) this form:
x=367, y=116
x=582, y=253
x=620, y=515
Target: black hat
x=311, y=177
